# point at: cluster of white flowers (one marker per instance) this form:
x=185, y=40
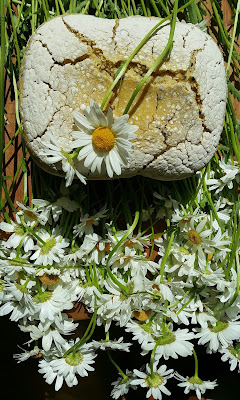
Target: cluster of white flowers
x=172, y=290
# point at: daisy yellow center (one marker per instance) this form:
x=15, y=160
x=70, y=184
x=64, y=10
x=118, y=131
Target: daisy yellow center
x=154, y=380
x=194, y=237
x=220, y=326
x=74, y=359
x=103, y=138
x=146, y=328
x=19, y=230
x=167, y=339
x=195, y=380
x=47, y=247
x=42, y=297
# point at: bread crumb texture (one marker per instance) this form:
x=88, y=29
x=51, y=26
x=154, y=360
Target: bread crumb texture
x=180, y=110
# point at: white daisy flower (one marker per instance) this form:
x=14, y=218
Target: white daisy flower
x=16, y=309
x=25, y=355
x=48, y=304
x=117, y=305
x=31, y=215
x=19, y=235
x=198, y=239
x=230, y=171
x=116, y=344
x=88, y=221
x=122, y=385
x=195, y=383
x=221, y=334
x=51, y=332
x=231, y=354
x=66, y=368
x=142, y=332
x=55, y=153
x=101, y=140
x=51, y=211
x=172, y=344
x=155, y=381
x=52, y=250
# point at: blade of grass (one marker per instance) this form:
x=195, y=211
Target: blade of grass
x=233, y=37
x=15, y=35
x=155, y=8
x=2, y=87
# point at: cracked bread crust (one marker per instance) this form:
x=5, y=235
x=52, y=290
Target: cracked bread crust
x=180, y=110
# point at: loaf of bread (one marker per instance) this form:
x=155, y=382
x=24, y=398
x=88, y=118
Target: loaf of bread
x=180, y=111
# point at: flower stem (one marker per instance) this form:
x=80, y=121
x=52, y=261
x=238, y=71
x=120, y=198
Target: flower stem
x=2, y=91
x=164, y=259
x=233, y=37
x=130, y=230
x=196, y=364
x=116, y=366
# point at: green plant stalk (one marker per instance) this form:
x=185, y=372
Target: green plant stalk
x=134, y=7
x=193, y=13
x=121, y=71
x=226, y=306
x=158, y=60
x=124, y=8
x=2, y=87
x=233, y=251
x=111, y=275
x=10, y=141
x=230, y=113
x=157, y=12
x=13, y=181
x=224, y=35
x=24, y=166
x=5, y=214
x=196, y=363
x=33, y=17
x=86, y=337
x=212, y=205
x=14, y=35
x=57, y=7
x=164, y=7
x=61, y=6
x=19, y=13
x=8, y=198
x=164, y=259
x=45, y=9
x=233, y=37
x=116, y=366
x=144, y=8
